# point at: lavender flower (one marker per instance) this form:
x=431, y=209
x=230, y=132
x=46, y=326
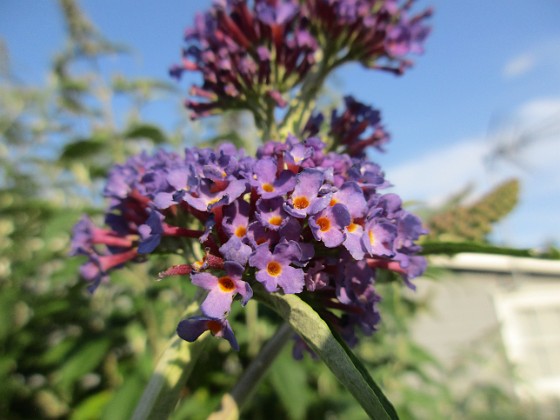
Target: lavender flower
x=222, y=290
x=322, y=224
x=274, y=268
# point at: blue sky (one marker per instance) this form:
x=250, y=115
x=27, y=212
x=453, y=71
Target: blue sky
x=491, y=72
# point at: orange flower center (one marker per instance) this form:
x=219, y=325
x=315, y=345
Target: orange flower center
x=324, y=223
x=275, y=220
x=226, y=284
x=333, y=202
x=267, y=187
x=240, y=231
x=214, y=326
x=301, y=202
x=274, y=269
x=352, y=227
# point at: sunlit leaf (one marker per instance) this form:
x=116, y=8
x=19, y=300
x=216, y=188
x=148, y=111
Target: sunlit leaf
x=333, y=351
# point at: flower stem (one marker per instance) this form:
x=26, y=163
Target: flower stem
x=252, y=376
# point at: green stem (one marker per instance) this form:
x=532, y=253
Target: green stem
x=259, y=366
x=247, y=384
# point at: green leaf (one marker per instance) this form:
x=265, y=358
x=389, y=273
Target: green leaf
x=147, y=131
x=334, y=352
x=290, y=384
x=85, y=360
x=121, y=404
x=82, y=148
x=92, y=407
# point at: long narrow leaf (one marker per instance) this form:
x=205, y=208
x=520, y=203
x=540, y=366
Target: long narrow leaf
x=337, y=356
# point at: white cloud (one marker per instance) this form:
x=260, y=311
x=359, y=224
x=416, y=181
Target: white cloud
x=543, y=55
x=519, y=65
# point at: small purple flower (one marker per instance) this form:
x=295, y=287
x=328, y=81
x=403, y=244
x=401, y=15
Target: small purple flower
x=151, y=233
x=352, y=197
x=271, y=213
x=236, y=250
x=266, y=181
x=191, y=328
x=210, y=195
x=316, y=277
x=274, y=267
x=222, y=290
x=305, y=199
x=353, y=242
x=378, y=238
x=236, y=218
x=328, y=225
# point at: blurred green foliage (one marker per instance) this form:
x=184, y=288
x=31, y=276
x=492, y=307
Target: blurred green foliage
x=66, y=354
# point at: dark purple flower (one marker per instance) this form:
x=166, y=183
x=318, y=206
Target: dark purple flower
x=357, y=127
x=191, y=328
x=151, y=232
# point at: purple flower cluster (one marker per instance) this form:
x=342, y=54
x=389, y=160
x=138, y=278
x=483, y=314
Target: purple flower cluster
x=352, y=130
x=246, y=53
x=377, y=33
x=293, y=219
